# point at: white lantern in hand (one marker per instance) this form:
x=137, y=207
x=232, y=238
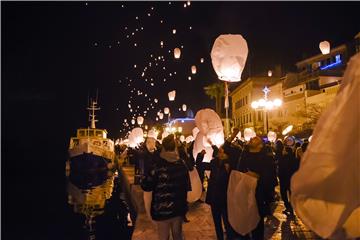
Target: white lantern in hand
x=184, y=107
x=248, y=134
x=172, y=95
x=228, y=55
x=271, y=136
x=177, y=53
x=324, y=47
x=140, y=120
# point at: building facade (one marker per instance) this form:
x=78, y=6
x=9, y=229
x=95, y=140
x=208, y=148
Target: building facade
x=304, y=93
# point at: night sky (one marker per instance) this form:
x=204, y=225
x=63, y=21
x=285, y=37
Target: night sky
x=56, y=54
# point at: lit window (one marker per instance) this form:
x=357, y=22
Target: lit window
x=338, y=58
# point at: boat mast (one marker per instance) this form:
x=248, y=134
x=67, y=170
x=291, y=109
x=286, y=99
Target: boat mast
x=92, y=115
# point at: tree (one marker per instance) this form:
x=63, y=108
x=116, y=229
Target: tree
x=217, y=91
x=311, y=113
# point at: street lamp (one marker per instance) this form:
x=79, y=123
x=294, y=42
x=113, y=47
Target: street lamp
x=266, y=105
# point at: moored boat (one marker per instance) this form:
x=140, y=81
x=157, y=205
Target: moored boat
x=91, y=149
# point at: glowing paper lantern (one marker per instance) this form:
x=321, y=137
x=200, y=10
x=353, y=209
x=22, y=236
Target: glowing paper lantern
x=161, y=43
x=184, y=107
x=182, y=138
x=269, y=73
x=271, y=136
x=172, y=95
x=248, y=134
x=287, y=130
x=201, y=60
x=155, y=100
x=189, y=139
x=174, y=31
x=132, y=121
x=161, y=115
x=208, y=120
x=193, y=69
x=228, y=55
x=177, y=53
x=325, y=189
x=195, y=132
x=324, y=47
x=188, y=3
x=210, y=126
x=146, y=127
x=166, y=110
x=140, y=120
x=136, y=136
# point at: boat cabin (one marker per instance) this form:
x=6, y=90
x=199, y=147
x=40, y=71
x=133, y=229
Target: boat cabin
x=91, y=132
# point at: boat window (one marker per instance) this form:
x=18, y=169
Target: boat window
x=82, y=133
x=91, y=132
x=99, y=133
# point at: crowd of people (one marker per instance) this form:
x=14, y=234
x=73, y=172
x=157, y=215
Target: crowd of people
x=163, y=170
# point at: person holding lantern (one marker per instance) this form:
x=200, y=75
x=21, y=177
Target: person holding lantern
x=255, y=161
x=216, y=195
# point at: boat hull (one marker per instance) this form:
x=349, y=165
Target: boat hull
x=89, y=162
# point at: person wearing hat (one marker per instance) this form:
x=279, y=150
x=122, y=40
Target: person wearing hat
x=255, y=161
x=287, y=167
x=169, y=183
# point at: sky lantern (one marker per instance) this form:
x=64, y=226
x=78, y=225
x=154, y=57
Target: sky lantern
x=161, y=115
x=193, y=69
x=140, y=120
x=161, y=43
x=270, y=73
x=184, y=107
x=324, y=47
x=188, y=3
x=155, y=100
x=182, y=138
x=228, y=55
x=172, y=95
x=166, y=110
x=201, y=60
x=271, y=136
x=174, y=31
x=189, y=139
x=132, y=121
x=177, y=53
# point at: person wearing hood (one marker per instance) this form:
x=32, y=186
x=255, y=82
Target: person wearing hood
x=169, y=182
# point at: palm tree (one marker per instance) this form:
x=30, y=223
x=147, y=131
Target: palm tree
x=217, y=91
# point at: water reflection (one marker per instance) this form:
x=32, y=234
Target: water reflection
x=97, y=198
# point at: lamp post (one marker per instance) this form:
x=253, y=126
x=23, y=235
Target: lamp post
x=266, y=105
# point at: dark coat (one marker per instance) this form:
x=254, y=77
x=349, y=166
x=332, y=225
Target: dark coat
x=261, y=164
x=169, y=182
x=218, y=182
x=288, y=164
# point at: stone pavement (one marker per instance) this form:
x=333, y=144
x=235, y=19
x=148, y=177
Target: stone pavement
x=201, y=226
